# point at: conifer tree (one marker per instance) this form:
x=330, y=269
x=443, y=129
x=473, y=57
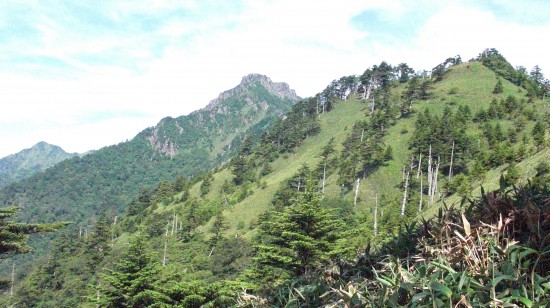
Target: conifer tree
x=130, y=284
x=300, y=237
x=498, y=87
x=14, y=236
x=539, y=135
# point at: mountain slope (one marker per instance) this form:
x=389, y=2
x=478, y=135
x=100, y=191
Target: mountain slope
x=211, y=229
x=465, y=85
x=30, y=161
x=79, y=188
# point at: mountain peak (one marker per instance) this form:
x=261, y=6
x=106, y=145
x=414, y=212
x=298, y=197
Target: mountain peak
x=254, y=77
x=45, y=145
x=279, y=89
x=30, y=161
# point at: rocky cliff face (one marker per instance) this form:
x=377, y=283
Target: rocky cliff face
x=279, y=89
x=256, y=100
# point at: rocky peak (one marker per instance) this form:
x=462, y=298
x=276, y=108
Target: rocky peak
x=280, y=89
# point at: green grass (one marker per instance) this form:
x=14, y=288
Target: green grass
x=471, y=84
x=333, y=124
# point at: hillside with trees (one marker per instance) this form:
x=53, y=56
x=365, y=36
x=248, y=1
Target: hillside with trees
x=80, y=189
x=28, y=162
x=390, y=188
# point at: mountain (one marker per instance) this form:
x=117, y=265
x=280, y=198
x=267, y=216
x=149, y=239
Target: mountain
x=30, y=161
x=81, y=187
x=104, y=181
x=364, y=156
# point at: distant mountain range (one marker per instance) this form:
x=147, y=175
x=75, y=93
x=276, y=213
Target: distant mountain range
x=104, y=180
x=30, y=161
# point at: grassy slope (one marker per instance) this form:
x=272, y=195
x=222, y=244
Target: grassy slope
x=333, y=124
x=473, y=84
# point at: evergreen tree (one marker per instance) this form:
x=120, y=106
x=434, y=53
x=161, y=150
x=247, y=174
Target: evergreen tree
x=539, y=135
x=498, y=87
x=512, y=174
x=130, y=284
x=218, y=227
x=97, y=244
x=205, y=185
x=301, y=237
x=14, y=236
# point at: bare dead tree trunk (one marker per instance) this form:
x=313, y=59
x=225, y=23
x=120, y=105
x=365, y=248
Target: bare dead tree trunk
x=451, y=164
x=356, y=192
x=375, y=214
x=434, y=184
x=299, y=184
x=421, y=193
x=362, y=134
x=430, y=174
x=173, y=224
x=165, y=251
x=317, y=106
x=418, y=172
x=405, y=194
x=97, y=296
x=324, y=178
x=211, y=251
x=12, y=284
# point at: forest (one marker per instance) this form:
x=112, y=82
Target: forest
x=391, y=188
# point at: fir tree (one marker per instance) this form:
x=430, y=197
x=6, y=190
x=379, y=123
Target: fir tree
x=301, y=237
x=130, y=284
x=539, y=135
x=14, y=236
x=498, y=87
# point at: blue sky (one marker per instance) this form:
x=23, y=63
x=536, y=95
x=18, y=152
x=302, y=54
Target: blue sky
x=87, y=74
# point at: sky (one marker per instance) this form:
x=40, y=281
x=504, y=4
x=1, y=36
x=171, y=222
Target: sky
x=87, y=74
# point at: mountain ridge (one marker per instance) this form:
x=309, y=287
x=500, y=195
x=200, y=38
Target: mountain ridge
x=179, y=146
x=27, y=162
x=358, y=155
x=281, y=89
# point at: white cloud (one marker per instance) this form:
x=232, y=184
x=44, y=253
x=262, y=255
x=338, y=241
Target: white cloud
x=181, y=62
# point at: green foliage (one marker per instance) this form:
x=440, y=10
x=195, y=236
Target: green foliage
x=441, y=69
x=300, y=122
x=28, y=162
x=512, y=174
x=442, y=134
x=492, y=59
x=205, y=184
x=222, y=245
x=363, y=151
x=301, y=237
x=472, y=259
x=130, y=283
x=539, y=135
x=14, y=236
x=498, y=87
x=80, y=188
